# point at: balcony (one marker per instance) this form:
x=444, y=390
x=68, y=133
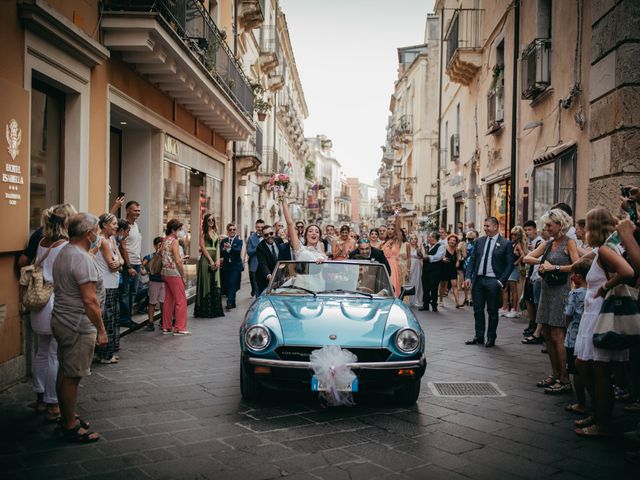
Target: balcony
x=250, y=13
x=177, y=46
x=269, y=48
x=405, y=126
x=536, y=68
x=464, y=45
x=248, y=154
x=276, y=79
x=270, y=160
x=343, y=197
x=344, y=218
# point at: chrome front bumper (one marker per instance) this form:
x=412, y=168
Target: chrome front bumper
x=267, y=362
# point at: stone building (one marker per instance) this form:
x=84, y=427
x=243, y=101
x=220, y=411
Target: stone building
x=144, y=98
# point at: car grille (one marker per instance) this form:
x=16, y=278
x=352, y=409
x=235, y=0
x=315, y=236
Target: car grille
x=301, y=354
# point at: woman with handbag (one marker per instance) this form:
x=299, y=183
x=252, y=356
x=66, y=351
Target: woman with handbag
x=45, y=362
x=608, y=269
x=555, y=258
x=208, y=296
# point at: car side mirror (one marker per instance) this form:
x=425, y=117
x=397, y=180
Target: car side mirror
x=407, y=290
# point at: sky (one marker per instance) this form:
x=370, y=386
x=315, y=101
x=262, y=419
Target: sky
x=346, y=55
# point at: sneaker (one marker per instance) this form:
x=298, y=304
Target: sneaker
x=166, y=332
x=150, y=327
x=502, y=312
x=181, y=332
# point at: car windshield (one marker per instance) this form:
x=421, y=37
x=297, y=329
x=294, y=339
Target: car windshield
x=368, y=280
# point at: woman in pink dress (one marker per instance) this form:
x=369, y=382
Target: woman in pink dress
x=392, y=248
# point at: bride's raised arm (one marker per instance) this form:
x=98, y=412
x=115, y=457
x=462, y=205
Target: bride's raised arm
x=293, y=233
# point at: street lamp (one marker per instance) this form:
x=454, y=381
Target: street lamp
x=397, y=168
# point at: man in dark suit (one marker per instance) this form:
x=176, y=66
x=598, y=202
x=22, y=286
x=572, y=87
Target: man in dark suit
x=267, y=255
x=232, y=263
x=285, y=253
x=489, y=268
x=367, y=252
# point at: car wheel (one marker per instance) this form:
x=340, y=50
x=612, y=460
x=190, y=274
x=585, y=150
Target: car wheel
x=249, y=388
x=408, y=395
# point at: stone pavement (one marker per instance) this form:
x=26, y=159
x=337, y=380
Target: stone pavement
x=172, y=409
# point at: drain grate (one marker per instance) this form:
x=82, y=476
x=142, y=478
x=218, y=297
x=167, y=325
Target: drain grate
x=465, y=389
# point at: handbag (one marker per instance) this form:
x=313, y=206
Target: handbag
x=155, y=264
x=552, y=278
x=37, y=291
x=618, y=324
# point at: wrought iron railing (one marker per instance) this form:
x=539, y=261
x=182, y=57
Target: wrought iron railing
x=270, y=159
x=197, y=30
x=269, y=40
x=464, y=31
x=405, y=126
x=536, y=67
x=252, y=147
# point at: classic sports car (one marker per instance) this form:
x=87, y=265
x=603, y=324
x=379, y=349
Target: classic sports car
x=350, y=304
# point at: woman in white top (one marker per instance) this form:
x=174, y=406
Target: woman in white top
x=45, y=361
x=608, y=269
x=109, y=262
x=313, y=251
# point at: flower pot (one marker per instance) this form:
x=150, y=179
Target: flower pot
x=262, y=116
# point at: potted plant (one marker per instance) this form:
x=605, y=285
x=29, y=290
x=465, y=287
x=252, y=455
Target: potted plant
x=260, y=105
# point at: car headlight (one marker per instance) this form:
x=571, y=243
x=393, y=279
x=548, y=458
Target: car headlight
x=407, y=340
x=257, y=337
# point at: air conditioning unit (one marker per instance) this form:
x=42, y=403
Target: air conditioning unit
x=536, y=68
x=455, y=147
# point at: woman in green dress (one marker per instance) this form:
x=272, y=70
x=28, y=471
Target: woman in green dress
x=208, y=297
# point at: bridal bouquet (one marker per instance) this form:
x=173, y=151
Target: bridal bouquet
x=280, y=183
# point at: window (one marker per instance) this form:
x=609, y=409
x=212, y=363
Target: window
x=554, y=182
x=177, y=194
x=47, y=134
x=543, y=19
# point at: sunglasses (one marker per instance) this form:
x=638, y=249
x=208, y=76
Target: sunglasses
x=232, y=229
x=270, y=234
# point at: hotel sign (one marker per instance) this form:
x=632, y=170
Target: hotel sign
x=14, y=166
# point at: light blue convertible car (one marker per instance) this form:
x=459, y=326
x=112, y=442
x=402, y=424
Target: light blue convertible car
x=350, y=304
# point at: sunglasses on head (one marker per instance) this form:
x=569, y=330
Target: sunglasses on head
x=363, y=240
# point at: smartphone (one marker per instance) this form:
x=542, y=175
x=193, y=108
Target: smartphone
x=631, y=204
x=625, y=191
x=120, y=194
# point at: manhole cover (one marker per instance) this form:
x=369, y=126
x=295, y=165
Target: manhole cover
x=465, y=389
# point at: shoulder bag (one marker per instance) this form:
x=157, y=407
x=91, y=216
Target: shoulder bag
x=553, y=277
x=618, y=324
x=36, y=291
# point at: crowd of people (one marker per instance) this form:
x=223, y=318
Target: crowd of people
x=557, y=276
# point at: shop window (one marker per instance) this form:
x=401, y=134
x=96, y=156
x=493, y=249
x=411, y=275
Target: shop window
x=554, y=182
x=498, y=203
x=177, y=194
x=47, y=131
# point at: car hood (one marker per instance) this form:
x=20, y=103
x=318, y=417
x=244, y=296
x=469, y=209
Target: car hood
x=354, y=322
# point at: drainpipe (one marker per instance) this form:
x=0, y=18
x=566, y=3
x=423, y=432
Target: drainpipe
x=441, y=68
x=514, y=117
x=233, y=155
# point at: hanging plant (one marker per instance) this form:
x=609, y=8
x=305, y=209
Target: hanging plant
x=498, y=75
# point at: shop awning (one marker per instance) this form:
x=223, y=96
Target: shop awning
x=553, y=153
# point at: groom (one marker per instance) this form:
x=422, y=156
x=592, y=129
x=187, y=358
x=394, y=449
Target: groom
x=489, y=268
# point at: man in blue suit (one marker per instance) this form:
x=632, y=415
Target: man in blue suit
x=488, y=269
x=232, y=263
x=252, y=243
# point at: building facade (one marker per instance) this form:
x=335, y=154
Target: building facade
x=116, y=97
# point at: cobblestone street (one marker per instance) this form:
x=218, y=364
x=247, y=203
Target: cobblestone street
x=172, y=409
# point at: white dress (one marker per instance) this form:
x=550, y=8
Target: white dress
x=584, y=349
x=41, y=320
x=415, y=278
x=313, y=282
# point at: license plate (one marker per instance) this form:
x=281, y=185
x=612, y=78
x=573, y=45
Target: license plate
x=316, y=386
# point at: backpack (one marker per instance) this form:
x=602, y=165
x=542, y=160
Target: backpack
x=155, y=264
x=36, y=291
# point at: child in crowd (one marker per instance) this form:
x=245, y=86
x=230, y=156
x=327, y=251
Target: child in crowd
x=152, y=265
x=573, y=313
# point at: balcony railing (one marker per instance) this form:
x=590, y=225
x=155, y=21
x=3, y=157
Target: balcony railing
x=270, y=159
x=269, y=47
x=405, y=126
x=536, y=68
x=197, y=30
x=464, y=45
x=249, y=153
x=464, y=31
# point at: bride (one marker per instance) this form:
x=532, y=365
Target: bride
x=313, y=250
